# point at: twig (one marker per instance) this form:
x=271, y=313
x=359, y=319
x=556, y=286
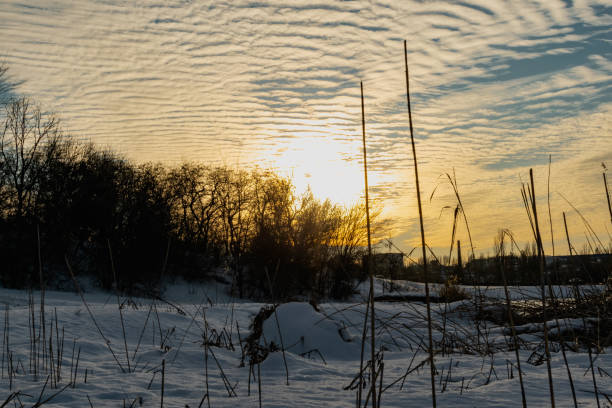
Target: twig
x=106, y=341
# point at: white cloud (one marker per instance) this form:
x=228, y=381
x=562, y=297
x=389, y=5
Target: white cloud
x=228, y=82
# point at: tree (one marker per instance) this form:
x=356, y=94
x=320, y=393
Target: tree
x=26, y=128
x=6, y=86
x=194, y=196
x=236, y=192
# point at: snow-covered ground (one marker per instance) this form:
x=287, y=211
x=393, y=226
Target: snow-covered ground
x=322, y=353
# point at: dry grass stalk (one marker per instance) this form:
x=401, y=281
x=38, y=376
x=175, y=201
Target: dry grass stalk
x=59, y=347
x=163, y=381
x=538, y=239
x=32, y=332
x=280, y=334
x=605, y=180
x=569, y=244
x=51, y=365
x=11, y=397
x=551, y=292
x=416, y=174
x=30, y=329
x=363, y=341
x=583, y=320
x=259, y=382
x=144, y=326
x=76, y=368
x=206, y=359
x=5, y=349
x=226, y=382
x=110, y=254
x=369, y=260
x=93, y=319
x=42, y=296
x=381, y=370
x=511, y=318
x=598, y=245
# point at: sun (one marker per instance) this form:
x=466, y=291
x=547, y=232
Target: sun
x=328, y=165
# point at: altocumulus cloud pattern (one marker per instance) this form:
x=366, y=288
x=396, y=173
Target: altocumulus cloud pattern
x=497, y=87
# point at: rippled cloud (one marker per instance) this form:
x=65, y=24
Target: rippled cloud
x=497, y=87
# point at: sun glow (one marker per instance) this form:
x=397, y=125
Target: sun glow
x=329, y=166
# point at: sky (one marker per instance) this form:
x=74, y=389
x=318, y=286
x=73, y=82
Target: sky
x=497, y=87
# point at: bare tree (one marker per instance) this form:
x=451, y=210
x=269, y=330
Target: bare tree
x=195, y=200
x=235, y=228
x=26, y=128
x=5, y=86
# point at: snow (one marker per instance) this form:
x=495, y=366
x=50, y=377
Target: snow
x=316, y=378
x=305, y=330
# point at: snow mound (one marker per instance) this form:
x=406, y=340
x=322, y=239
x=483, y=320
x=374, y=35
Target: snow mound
x=310, y=334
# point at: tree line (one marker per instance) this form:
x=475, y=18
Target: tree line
x=64, y=201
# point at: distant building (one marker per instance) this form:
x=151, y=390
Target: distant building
x=591, y=268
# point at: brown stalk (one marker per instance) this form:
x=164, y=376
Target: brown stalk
x=599, y=245
x=569, y=244
x=538, y=238
x=42, y=297
x=142, y=331
x=552, y=294
x=163, y=381
x=511, y=318
x=5, y=346
x=280, y=334
x=76, y=368
x=206, y=358
x=93, y=319
x=110, y=254
x=583, y=320
x=259, y=382
x=363, y=340
x=416, y=175
x=369, y=262
x=607, y=194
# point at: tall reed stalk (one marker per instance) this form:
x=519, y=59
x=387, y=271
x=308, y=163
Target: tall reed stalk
x=369, y=262
x=605, y=180
x=551, y=292
x=538, y=238
x=577, y=295
x=510, y=316
x=112, y=262
x=42, y=299
x=93, y=319
x=163, y=371
x=280, y=333
x=363, y=342
x=416, y=176
x=569, y=243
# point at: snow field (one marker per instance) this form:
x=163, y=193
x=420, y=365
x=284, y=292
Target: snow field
x=322, y=350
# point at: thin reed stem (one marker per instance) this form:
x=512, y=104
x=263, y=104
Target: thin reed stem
x=538, y=238
x=280, y=334
x=416, y=176
x=42, y=297
x=93, y=319
x=363, y=342
x=110, y=254
x=163, y=381
x=369, y=261
x=605, y=180
x=550, y=290
x=511, y=319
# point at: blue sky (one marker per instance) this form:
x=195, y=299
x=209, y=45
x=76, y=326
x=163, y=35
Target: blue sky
x=498, y=86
